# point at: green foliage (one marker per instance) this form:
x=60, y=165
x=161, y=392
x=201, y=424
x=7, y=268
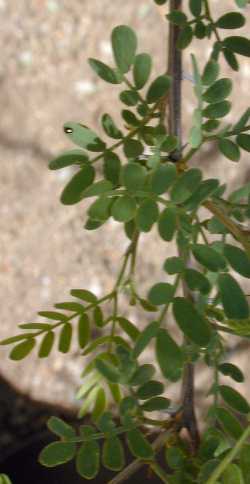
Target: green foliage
x=146, y=191
x=4, y=479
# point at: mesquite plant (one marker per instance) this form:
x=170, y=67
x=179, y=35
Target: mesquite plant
x=152, y=183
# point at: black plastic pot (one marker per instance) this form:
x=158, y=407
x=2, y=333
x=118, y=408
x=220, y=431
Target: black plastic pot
x=22, y=466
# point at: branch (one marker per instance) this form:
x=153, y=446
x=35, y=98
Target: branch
x=188, y=418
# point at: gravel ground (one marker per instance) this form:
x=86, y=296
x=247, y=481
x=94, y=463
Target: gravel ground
x=45, y=81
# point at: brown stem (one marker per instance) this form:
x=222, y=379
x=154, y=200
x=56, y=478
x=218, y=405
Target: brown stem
x=175, y=72
x=188, y=417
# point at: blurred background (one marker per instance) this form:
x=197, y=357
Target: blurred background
x=45, y=81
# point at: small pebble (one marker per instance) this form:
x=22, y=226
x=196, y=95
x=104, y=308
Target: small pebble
x=52, y=6
x=25, y=58
x=84, y=87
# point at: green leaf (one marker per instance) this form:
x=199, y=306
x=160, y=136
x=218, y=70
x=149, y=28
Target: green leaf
x=231, y=370
x=207, y=470
x=195, y=136
x=191, y=322
x=218, y=91
x=231, y=59
x=229, y=149
x=104, y=72
x=132, y=148
x=100, y=405
x=203, y=192
x=237, y=259
x=159, y=88
x=74, y=190
x=243, y=140
x=54, y=315
x=65, y=338
x=161, y=293
x=71, y=306
x=244, y=462
x=84, y=294
x=57, y=453
x=83, y=330
x=106, y=424
x=110, y=128
x=239, y=194
x=185, y=185
x=22, y=350
x=113, y=454
x=60, y=428
x=174, y=265
x=124, y=44
x=14, y=339
x=115, y=392
x=88, y=459
x=243, y=120
x=43, y=326
x=147, y=215
x=5, y=479
x=130, y=118
x=68, y=158
x=210, y=125
x=196, y=281
x=144, y=338
x=175, y=457
x=143, y=374
x=167, y=223
x=46, y=344
x=98, y=317
x=241, y=3
x=98, y=188
x=83, y=136
x=229, y=423
x=177, y=17
x=108, y=370
x=111, y=167
x=232, y=475
x=169, y=144
x=185, y=37
x=100, y=209
x=123, y=209
x=160, y=2
x=217, y=110
x=195, y=7
x=156, y=404
x=93, y=224
x=129, y=328
x=142, y=70
x=150, y=389
x=146, y=305
x=200, y=30
x=208, y=257
x=211, y=72
x=138, y=445
x=130, y=98
x=233, y=299
x=169, y=356
x=163, y=177
x=97, y=342
x=133, y=176
x=234, y=399
x=239, y=45
x=231, y=20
